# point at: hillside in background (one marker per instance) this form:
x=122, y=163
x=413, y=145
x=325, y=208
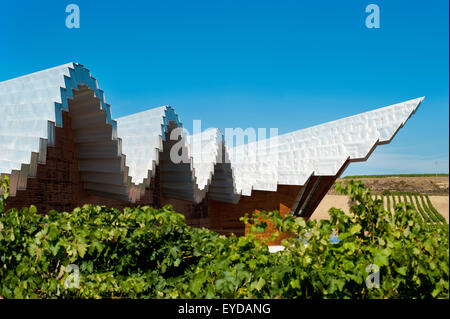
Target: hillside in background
x=424, y=184
x=415, y=189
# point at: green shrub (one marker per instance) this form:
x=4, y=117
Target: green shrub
x=151, y=253
x=4, y=192
x=394, y=203
x=439, y=217
x=421, y=211
x=432, y=217
x=388, y=204
x=405, y=200
x=413, y=204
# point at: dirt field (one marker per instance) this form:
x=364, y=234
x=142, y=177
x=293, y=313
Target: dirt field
x=441, y=203
x=436, y=187
x=423, y=185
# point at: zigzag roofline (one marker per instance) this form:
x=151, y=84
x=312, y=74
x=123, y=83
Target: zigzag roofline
x=119, y=157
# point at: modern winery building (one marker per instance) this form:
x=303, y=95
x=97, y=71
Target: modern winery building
x=61, y=149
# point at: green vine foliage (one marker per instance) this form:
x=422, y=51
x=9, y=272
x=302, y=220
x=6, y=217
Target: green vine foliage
x=151, y=253
x=4, y=192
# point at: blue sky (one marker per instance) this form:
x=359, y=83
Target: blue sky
x=285, y=64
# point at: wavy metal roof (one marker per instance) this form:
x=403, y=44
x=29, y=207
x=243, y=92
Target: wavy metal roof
x=118, y=157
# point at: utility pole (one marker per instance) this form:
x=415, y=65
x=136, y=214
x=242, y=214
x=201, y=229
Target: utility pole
x=435, y=166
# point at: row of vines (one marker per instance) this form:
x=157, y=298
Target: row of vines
x=421, y=203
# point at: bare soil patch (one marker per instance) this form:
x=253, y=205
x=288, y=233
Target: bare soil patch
x=441, y=203
x=429, y=185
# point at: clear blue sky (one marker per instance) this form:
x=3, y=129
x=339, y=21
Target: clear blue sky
x=285, y=64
